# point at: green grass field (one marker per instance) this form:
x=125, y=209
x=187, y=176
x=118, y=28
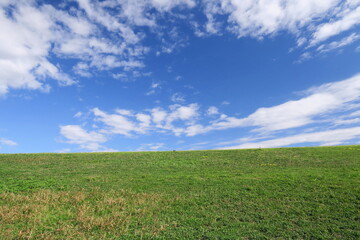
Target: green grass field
x=288, y=193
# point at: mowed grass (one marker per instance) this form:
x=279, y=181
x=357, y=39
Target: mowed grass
x=288, y=193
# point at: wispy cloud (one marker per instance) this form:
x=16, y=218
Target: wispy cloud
x=154, y=88
x=261, y=18
x=338, y=44
x=348, y=17
x=178, y=97
x=324, y=138
x=64, y=150
x=7, y=142
x=319, y=101
x=151, y=147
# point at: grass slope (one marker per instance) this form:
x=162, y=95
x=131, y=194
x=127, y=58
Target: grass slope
x=289, y=193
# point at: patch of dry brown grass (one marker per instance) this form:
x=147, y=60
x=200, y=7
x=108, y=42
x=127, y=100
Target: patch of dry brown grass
x=47, y=214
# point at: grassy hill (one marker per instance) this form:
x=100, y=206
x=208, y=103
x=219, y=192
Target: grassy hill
x=288, y=193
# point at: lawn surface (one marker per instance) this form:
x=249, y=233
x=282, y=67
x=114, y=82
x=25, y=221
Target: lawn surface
x=288, y=193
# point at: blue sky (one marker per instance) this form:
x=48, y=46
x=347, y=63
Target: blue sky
x=142, y=75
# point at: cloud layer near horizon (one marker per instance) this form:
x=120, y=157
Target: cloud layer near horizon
x=322, y=108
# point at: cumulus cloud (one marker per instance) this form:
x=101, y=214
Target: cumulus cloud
x=129, y=123
x=82, y=69
x=116, y=123
x=212, y=110
x=25, y=43
x=75, y=134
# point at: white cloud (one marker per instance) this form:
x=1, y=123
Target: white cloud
x=136, y=11
x=25, y=42
x=116, y=123
x=172, y=40
x=325, y=99
x=150, y=147
x=153, y=88
x=166, y=5
x=183, y=112
x=196, y=129
x=349, y=19
x=64, y=150
x=150, y=92
x=212, y=110
x=124, y=112
x=7, y=142
x=347, y=121
x=78, y=115
x=82, y=69
x=243, y=140
x=355, y=114
x=155, y=85
x=178, y=98
x=75, y=134
x=95, y=12
x=264, y=17
x=338, y=44
x=325, y=138
x=144, y=121
x=158, y=115
x=304, y=56
x=130, y=123
x=122, y=76
x=293, y=113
